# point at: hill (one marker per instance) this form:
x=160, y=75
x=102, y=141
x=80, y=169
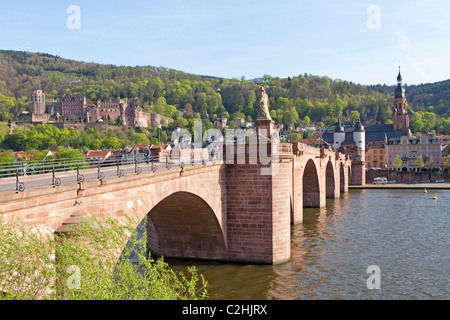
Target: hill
x=299, y=100
x=434, y=97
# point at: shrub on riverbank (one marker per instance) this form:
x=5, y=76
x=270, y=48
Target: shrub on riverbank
x=92, y=263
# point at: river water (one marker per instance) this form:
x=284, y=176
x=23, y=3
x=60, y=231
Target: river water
x=403, y=232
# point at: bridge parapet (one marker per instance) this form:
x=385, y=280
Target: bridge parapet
x=298, y=147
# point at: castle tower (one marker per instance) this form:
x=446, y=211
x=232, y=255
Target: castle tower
x=359, y=137
x=339, y=136
x=358, y=171
x=38, y=102
x=123, y=106
x=400, y=115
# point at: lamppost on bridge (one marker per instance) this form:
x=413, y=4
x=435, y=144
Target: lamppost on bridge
x=159, y=138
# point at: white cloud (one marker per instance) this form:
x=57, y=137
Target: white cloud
x=405, y=44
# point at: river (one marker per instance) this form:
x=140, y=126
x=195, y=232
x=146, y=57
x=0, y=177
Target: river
x=403, y=232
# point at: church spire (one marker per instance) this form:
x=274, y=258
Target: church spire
x=400, y=91
x=399, y=77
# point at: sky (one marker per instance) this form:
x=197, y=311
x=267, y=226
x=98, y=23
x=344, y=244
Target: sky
x=359, y=41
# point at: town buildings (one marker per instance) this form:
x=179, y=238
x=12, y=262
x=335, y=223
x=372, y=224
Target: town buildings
x=380, y=144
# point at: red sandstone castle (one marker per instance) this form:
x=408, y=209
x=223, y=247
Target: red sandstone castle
x=73, y=109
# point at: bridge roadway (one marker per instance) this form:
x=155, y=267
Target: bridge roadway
x=70, y=176
x=215, y=211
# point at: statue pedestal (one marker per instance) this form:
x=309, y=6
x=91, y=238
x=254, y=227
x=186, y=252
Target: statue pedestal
x=264, y=128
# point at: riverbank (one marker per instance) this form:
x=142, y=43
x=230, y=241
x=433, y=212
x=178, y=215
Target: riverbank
x=431, y=186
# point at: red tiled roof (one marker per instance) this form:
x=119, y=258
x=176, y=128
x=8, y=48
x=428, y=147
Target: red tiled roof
x=313, y=142
x=21, y=155
x=163, y=146
x=377, y=145
x=97, y=153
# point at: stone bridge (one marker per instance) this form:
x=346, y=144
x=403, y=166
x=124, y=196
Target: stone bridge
x=214, y=211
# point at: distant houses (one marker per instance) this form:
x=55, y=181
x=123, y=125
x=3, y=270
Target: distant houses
x=129, y=155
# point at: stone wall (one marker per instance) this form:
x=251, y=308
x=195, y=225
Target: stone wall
x=405, y=176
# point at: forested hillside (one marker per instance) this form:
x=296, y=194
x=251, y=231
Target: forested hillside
x=299, y=100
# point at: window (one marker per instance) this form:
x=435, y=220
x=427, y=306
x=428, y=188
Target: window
x=374, y=151
x=381, y=157
x=369, y=158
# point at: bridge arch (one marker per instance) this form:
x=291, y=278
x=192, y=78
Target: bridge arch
x=184, y=225
x=311, y=185
x=329, y=180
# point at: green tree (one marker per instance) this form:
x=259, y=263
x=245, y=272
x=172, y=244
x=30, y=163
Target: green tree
x=67, y=153
x=296, y=136
x=430, y=162
x=419, y=162
x=7, y=156
x=112, y=142
x=309, y=134
x=397, y=162
x=355, y=116
x=139, y=138
x=306, y=120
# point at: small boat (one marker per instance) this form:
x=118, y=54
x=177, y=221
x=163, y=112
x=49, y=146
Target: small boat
x=435, y=197
x=425, y=191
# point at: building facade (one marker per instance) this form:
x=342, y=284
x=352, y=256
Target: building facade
x=73, y=105
x=409, y=149
x=376, y=155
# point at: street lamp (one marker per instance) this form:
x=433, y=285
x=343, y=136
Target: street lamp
x=159, y=139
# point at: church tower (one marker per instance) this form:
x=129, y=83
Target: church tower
x=400, y=113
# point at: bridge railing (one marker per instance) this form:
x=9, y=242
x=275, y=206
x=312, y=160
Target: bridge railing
x=17, y=176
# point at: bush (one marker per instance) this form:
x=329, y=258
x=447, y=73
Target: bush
x=89, y=264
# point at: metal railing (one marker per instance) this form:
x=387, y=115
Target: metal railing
x=18, y=176
x=53, y=173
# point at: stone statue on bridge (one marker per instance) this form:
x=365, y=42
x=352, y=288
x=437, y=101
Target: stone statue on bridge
x=264, y=113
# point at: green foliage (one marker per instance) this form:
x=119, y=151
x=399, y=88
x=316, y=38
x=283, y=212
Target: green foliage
x=42, y=137
x=419, y=162
x=66, y=153
x=168, y=91
x=309, y=134
x=87, y=265
x=397, y=162
x=426, y=122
